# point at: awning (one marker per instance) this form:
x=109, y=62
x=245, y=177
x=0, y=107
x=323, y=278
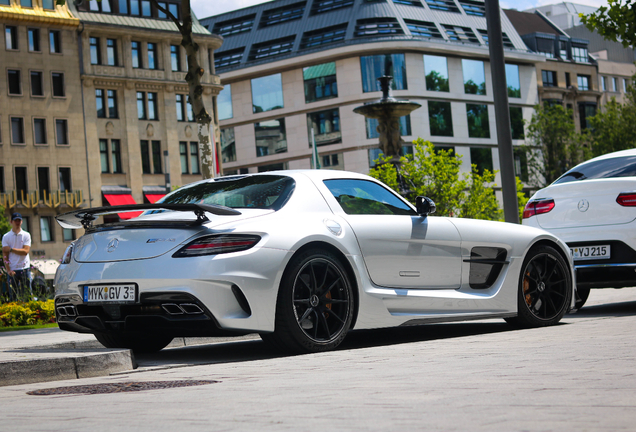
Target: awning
x=46, y=266
x=122, y=199
x=153, y=198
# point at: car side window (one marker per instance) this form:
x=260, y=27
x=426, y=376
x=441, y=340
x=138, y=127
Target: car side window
x=358, y=197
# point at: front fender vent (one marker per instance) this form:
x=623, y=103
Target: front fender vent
x=485, y=265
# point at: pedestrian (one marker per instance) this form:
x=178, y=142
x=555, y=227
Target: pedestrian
x=16, y=245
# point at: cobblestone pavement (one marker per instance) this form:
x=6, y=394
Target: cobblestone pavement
x=480, y=376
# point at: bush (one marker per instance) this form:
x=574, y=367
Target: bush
x=28, y=313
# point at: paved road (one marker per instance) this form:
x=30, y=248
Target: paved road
x=481, y=376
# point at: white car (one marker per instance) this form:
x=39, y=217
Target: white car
x=300, y=257
x=592, y=207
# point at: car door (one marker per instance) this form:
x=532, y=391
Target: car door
x=400, y=248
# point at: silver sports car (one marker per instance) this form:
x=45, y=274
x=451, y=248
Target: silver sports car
x=302, y=258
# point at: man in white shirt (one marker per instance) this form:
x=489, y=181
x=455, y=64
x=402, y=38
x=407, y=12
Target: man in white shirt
x=16, y=245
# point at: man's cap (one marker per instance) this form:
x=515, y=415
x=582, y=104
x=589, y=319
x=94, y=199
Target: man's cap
x=15, y=216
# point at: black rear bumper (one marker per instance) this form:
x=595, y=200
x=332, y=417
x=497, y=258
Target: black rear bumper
x=617, y=272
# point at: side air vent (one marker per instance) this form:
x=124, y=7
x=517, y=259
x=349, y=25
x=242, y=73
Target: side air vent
x=485, y=265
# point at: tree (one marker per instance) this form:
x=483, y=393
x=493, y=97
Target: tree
x=436, y=174
x=614, y=127
x=615, y=22
x=5, y=226
x=193, y=78
x=555, y=146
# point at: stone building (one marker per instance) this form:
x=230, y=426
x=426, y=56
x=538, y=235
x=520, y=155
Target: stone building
x=569, y=76
x=98, y=97
x=290, y=66
x=42, y=147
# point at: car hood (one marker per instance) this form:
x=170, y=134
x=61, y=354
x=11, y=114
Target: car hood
x=150, y=236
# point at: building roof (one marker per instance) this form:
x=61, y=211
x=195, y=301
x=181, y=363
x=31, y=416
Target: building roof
x=283, y=29
x=527, y=23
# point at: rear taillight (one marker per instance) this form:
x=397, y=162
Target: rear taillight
x=627, y=199
x=68, y=253
x=217, y=244
x=537, y=207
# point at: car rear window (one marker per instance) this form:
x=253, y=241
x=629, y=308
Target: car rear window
x=606, y=168
x=260, y=191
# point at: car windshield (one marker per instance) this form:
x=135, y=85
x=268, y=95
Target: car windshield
x=604, y=168
x=260, y=191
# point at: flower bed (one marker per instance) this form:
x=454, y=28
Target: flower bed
x=27, y=313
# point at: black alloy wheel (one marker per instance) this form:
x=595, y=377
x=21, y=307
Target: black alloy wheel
x=545, y=288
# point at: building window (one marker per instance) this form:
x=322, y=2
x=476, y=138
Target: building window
x=271, y=48
x=516, y=123
x=460, y=34
x=440, y=118
x=282, y=14
x=180, y=102
x=423, y=29
x=549, y=78
x=273, y=167
x=583, y=82
x=15, y=82
x=474, y=77
x=224, y=103
x=325, y=126
x=614, y=85
x=43, y=181
x=173, y=8
x=141, y=105
x=152, y=55
x=21, y=181
x=183, y=155
x=436, y=73
x=521, y=164
x=34, y=39
x=320, y=82
x=512, y=80
x=123, y=7
x=156, y=157
x=111, y=51
x=175, y=58
x=46, y=233
x=101, y=6
x=145, y=157
x=323, y=36
x=567, y=80
x=17, y=130
x=473, y=7
x=134, y=7
x=136, y=54
x=563, y=50
x=153, y=112
x=194, y=158
x=48, y=4
x=586, y=110
x=68, y=235
x=112, y=103
x=234, y=26
x=373, y=67
x=375, y=153
x=482, y=158
x=271, y=137
x=37, y=89
x=115, y=153
x=64, y=176
x=61, y=132
x=331, y=161
x=322, y=6
x=376, y=27
x=579, y=54
x=545, y=47
x=227, y=58
x=39, y=131
x=100, y=103
x=55, y=44
x=478, y=126
x=146, y=10
x=604, y=83
x=11, y=37
x=2, y=186
x=267, y=93
x=96, y=57
x=416, y=3
x=443, y=5
x=57, y=79
x=189, y=111
x=103, y=155
x=371, y=126
x=228, y=145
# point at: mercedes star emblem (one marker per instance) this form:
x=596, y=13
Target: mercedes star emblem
x=583, y=205
x=112, y=245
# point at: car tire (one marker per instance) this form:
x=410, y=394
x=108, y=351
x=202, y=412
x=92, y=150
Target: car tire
x=315, y=304
x=581, y=297
x=143, y=343
x=545, y=289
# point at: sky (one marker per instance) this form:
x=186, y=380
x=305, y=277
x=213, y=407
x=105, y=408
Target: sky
x=206, y=8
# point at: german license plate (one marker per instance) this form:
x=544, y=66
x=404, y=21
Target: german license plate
x=124, y=293
x=580, y=253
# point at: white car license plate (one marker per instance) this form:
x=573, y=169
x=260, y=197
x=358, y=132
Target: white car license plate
x=580, y=253
x=110, y=293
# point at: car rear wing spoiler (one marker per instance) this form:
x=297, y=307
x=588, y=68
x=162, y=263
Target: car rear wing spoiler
x=84, y=218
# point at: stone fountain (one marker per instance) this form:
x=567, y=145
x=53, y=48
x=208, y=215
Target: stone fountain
x=388, y=111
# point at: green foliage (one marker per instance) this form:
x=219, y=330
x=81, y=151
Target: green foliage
x=555, y=146
x=436, y=174
x=5, y=226
x=522, y=198
x=615, y=22
x=614, y=127
x=436, y=82
x=28, y=313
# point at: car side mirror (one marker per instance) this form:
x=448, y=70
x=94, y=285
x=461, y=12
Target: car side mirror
x=424, y=206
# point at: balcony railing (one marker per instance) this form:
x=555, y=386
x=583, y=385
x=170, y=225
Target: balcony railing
x=32, y=199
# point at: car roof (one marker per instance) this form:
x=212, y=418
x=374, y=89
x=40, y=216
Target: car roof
x=314, y=174
x=621, y=153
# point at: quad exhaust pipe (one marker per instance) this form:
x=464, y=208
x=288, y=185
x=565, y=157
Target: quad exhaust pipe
x=182, y=309
x=67, y=311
